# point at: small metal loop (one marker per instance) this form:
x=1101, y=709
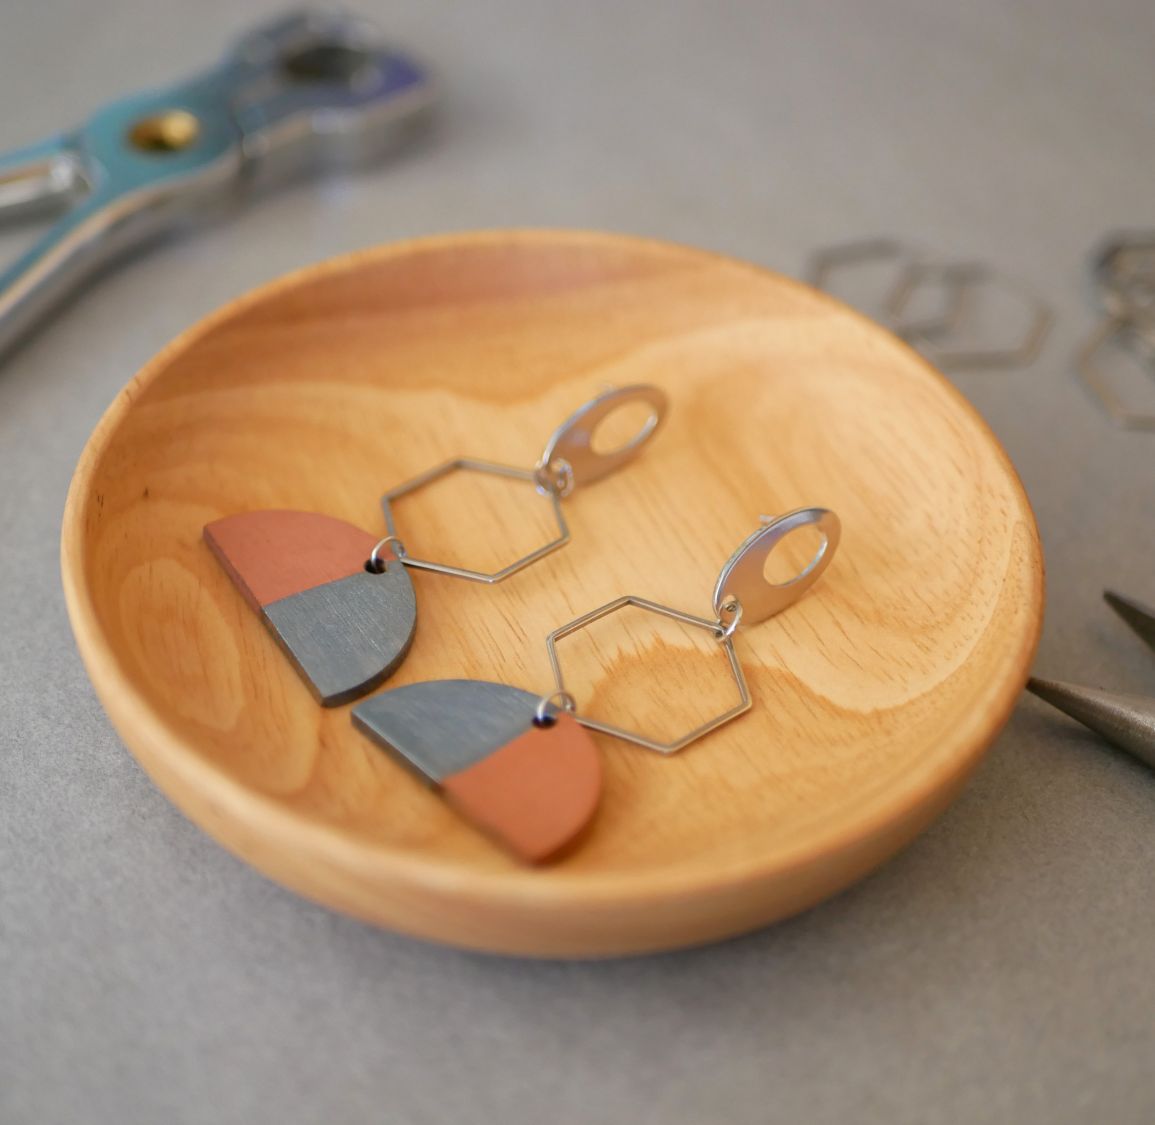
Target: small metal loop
x=555, y=478
x=566, y=701
x=730, y=605
x=376, y=563
x=743, y=578
x=571, y=444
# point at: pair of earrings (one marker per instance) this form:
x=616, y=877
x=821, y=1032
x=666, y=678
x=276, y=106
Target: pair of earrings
x=520, y=766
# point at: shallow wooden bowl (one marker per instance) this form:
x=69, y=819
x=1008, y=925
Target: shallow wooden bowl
x=873, y=698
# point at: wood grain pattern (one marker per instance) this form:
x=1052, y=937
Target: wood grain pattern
x=874, y=698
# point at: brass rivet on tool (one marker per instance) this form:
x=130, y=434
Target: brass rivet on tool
x=169, y=131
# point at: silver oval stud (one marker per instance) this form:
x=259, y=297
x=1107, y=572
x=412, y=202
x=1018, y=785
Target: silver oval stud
x=743, y=578
x=569, y=458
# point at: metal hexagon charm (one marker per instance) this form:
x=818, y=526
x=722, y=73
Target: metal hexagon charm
x=714, y=627
x=1120, y=334
x=469, y=464
x=570, y=458
x=742, y=593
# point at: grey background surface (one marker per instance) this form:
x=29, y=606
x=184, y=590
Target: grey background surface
x=1001, y=969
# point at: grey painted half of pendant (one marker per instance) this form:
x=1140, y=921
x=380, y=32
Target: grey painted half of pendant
x=346, y=637
x=440, y=727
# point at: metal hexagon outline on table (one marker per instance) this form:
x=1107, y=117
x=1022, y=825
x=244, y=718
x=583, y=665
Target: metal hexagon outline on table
x=472, y=465
x=906, y=260
x=1091, y=371
x=727, y=644
x=971, y=277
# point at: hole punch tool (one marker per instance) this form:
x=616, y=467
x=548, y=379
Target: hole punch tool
x=305, y=93
x=1128, y=721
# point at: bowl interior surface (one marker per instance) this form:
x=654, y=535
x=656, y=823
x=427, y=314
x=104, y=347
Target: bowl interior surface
x=873, y=696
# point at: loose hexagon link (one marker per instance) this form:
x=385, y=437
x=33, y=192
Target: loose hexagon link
x=943, y=338
x=905, y=262
x=1124, y=270
x=1095, y=378
x=970, y=277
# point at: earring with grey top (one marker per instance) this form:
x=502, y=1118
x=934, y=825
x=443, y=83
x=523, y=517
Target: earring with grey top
x=517, y=764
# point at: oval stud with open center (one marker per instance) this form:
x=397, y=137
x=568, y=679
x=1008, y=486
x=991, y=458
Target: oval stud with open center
x=743, y=578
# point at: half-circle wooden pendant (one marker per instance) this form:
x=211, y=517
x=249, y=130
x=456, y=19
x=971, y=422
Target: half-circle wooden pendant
x=344, y=627
x=532, y=788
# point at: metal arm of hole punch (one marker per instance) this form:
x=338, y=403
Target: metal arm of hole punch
x=301, y=94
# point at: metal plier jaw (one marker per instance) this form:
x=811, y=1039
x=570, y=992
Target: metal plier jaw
x=308, y=92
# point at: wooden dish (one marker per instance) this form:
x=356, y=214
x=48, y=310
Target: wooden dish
x=874, y=697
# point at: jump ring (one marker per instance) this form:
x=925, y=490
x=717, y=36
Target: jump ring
x=376, y=563
x=555, y=478
x=726, y=631
x=541, y=715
